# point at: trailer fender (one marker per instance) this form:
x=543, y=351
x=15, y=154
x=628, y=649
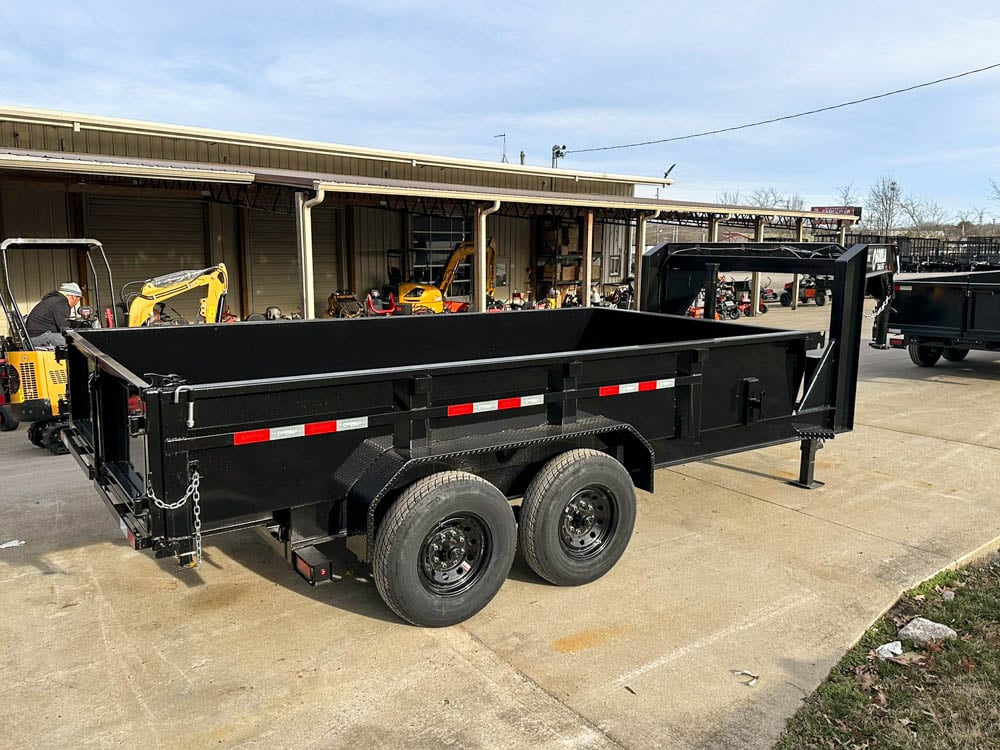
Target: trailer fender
x=510, y=465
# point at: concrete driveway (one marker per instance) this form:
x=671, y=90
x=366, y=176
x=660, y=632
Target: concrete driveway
x=730, y=569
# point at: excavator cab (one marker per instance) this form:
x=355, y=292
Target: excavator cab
x=425, y=296
x=32, y=379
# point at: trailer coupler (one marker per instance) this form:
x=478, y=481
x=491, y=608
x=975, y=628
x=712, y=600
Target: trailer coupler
x=812, y=440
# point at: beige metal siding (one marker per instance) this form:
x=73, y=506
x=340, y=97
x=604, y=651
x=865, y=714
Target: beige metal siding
x=35, y=213
x=614, y=244
x=375, y=232
x=273, y=266
x=513, y=242
x=87, y=141
x=145, y=238
x=273, y=269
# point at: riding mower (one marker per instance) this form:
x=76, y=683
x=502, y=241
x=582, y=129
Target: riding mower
x=810, y=288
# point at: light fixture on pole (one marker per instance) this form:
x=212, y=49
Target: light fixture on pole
x=558, y=152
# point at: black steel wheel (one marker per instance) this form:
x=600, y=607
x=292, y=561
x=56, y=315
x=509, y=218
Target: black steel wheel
x=785, y=299
x=733, y=313
x=444, y=549
x=820, y=298
x=8, y=422
x=955, y=355
x=577, y=517
x=923, y=356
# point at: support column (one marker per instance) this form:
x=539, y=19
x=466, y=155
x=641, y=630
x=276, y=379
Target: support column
x=640, y=248
x=758, y=236
x=800, y=235
x=588, y=256
x=842, y=225
x=713, y=227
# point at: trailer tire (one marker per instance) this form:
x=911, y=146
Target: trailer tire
x=923, y=356
x=953, y=354
x=444, y=549
x=820, y=298
x=785, y=299
x=577, y=517
x=8, y=422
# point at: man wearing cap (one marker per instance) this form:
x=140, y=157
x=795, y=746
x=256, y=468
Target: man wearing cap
x=50, y=316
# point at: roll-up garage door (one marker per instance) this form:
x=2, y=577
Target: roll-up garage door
x=147, y=238
x=274, y=260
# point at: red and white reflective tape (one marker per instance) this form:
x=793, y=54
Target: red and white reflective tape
x=646, y=385
x=268, y=434
x=501, y=404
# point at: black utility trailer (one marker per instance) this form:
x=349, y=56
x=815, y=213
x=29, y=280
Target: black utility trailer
x=946, y=316
x=410, y=437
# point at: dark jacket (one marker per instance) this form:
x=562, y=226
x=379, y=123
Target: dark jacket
x=49, y=315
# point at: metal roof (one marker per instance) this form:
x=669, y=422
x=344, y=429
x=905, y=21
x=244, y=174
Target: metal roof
x=380, y=186
x=18, y=159
x=81, y=122
x=55, y=161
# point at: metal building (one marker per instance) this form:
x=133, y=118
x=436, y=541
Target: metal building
x=295, y=220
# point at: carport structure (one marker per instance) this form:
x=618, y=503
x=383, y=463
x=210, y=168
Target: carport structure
x=254, y=201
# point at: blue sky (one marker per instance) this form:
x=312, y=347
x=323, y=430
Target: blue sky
x=445, y=77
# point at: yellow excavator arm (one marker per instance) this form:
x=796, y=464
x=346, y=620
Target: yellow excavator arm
x=432, y=296
x=463, y=251
x=162, y=288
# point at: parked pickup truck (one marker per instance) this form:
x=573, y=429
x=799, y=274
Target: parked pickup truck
x=411, y=437
x=946, y=316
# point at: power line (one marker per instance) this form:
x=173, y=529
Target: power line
x=786, y=117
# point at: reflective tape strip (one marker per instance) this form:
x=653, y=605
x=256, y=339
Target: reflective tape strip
x=478, y=407
x=267, y=435
x=646, y=385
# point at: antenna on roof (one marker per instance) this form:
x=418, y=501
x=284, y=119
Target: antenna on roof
x=503, y=157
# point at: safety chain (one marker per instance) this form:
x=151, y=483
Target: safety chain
x=196, y=509
x=191, y=490
x=886, y=301
x=192, y=493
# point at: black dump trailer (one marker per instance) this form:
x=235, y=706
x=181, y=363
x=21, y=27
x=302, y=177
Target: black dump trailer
x=946, y=316
x=410, y=437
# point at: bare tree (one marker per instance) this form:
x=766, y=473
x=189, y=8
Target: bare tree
x=766, y=197
x=994, y=191
x=794, y=202
x=730, y=198
x=925, y=214
x=884, y=205
x=976, y=222
x=847, y=196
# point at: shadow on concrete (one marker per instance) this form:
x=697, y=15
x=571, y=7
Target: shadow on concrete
x=354, y=592
x=897, y=365
x=763, y=475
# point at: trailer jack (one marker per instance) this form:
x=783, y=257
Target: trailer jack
x=812, y=441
